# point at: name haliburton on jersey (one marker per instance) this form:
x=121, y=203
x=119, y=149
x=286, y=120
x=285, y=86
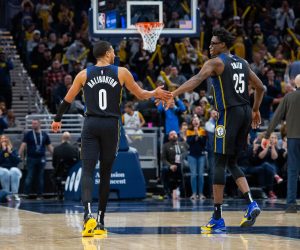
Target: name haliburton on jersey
x=102, y=79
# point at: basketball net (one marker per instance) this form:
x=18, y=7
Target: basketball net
x=150, y=32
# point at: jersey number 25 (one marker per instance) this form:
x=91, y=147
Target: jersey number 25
x=239, y=83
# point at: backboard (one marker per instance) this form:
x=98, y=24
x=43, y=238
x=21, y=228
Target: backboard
x=117, y=18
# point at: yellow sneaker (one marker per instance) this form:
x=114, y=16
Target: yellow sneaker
x=88, y=226
x=100, y=230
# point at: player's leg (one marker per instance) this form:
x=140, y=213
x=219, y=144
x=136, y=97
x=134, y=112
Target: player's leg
x=216, y=223
x=89, y=155
x=241, y=130
x=108, y=149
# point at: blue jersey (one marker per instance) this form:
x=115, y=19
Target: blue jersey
x=231, y=87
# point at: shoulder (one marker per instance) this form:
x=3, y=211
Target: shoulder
x=123, y=71
x=82, y=74
x=216, y=61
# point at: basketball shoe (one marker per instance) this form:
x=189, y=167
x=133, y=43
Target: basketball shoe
x=251, y=214
x=88, y=226
x=214, y=226
x=100, y=229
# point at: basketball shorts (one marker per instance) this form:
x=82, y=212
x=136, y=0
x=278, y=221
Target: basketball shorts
x=100, y=135
x=232, y=128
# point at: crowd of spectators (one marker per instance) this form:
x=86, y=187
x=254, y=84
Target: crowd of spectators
x=52, y=37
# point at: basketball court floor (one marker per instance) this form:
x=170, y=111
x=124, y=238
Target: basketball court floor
x=148, y=224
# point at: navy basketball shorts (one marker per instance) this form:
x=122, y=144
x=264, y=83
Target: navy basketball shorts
x=100, y=135
x=232, y=128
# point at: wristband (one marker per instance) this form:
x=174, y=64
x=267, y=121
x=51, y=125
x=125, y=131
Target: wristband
x=63, y=107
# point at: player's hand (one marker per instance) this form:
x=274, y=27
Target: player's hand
x=160, y=93
x=55, y=126
x=256, y=120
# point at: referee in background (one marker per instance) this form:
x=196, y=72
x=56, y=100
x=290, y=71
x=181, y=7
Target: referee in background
x=288, y=109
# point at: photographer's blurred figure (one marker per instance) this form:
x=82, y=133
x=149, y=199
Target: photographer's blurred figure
x=64, y=157
x=35, y=141
x=173, y=153
x=5, y=83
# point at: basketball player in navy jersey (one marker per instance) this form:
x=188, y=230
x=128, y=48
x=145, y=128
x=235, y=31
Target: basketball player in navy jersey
x=102, y=87
x=230, y=76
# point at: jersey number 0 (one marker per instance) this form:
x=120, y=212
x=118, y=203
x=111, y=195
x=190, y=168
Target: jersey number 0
x=239, y=83
x=102, y=99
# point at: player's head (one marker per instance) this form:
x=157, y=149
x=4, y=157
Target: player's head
x=104, y=50
x=220, y=42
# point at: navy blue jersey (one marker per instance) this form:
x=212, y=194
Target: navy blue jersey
x=102, y=91
x=231, y=87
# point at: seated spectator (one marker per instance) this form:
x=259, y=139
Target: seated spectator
x=270, y=153
x=65, y=156
x=251, y=165
x=10, y=174
x=196, y=138
x=173, y=153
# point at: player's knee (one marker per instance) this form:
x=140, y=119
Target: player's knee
x=219, y=179
x=235, y=171
x=88, y=166
x=219, y=171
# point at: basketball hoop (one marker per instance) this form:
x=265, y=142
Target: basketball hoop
x=150, y=32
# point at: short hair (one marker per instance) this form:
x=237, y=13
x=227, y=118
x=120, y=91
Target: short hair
x=129, y=105
x=100, y=48
x=224, y=36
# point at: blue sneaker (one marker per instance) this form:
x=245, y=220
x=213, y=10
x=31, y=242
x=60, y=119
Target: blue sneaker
x=250, y=216
x=214, y=226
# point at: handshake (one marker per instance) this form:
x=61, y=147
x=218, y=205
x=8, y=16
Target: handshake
x=164, y=97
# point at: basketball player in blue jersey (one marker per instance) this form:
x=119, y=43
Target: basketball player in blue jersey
x=102, y=87
x=230, y=76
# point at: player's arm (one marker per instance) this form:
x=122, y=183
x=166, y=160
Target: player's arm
x=66, y=102
x=126, y=77
x=207, y=70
